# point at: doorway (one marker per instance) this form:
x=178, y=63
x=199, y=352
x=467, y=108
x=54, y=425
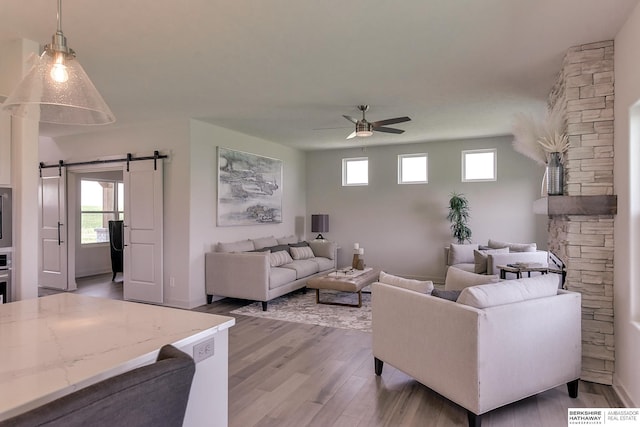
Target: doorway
x=95, y=196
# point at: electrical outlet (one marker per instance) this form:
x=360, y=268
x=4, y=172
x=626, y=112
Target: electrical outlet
x=172, y=282
x=204, y=350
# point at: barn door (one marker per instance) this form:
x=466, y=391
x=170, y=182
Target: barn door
x=143, y=224
x=52, y=259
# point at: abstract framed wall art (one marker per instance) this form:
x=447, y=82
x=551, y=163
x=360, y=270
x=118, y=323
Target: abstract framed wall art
x=249, y=189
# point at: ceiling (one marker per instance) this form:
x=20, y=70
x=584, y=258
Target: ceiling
x=287, y=70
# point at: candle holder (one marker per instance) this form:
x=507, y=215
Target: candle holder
x=356, y=259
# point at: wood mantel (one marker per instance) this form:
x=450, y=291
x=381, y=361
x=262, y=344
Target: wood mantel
x=576, y=205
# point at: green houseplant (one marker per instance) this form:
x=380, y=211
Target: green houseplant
x=459, y=217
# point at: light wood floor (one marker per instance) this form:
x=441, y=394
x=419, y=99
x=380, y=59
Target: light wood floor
x=291, y=374
x=97, y=286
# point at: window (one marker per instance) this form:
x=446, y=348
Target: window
x=355, y=171
x=412, y=169
x=100, y=201
x=479, y=165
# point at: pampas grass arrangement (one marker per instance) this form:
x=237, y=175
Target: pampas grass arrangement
x=536, y=139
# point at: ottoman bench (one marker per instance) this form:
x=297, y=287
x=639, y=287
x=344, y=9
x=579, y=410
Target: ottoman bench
x=345, y=280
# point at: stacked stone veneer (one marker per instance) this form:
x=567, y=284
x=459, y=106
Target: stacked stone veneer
x=585, y=91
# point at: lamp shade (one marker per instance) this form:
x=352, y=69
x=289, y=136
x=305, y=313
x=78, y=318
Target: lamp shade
x=320, y=223
x=70, y=100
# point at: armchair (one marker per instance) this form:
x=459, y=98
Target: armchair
x=485, y=356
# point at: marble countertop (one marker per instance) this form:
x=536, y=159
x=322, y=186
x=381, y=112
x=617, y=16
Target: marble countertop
x=53, y=345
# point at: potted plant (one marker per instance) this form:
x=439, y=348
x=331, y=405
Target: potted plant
x=459, y=217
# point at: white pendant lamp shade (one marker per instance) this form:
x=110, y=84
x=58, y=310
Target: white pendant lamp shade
x=57, y=90
x=72, y=102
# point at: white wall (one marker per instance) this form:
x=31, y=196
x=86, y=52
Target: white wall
x=204, y=232
x=403, y=228
x=627, y=223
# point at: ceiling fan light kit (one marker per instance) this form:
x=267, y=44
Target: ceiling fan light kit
x=58, y=88
x=366, y=129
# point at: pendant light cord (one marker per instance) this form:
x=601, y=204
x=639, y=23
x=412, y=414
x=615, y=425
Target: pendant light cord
x=60, y=16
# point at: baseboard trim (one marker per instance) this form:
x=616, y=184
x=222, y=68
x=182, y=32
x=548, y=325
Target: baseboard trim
x=622, y=394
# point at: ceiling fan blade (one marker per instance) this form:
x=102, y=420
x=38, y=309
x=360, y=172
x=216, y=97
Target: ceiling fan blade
x=390, y=121
x=341, y=127
x=387, y=130
x=352, y=135
x=351, y=119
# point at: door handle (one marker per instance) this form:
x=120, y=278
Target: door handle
x=59, y=233
x=123, y=244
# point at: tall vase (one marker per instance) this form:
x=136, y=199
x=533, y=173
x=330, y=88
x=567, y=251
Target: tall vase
x=555, y=175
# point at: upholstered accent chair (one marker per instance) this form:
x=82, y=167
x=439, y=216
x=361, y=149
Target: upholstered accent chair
x=155, y=395
x=495, y=344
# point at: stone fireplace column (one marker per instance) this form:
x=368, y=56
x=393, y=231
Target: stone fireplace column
x=585, y=90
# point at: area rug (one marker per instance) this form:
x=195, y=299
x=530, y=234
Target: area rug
x=302, y=308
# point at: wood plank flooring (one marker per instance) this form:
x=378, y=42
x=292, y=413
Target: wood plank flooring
x=291, y=374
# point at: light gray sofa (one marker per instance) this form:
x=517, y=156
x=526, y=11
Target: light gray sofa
x=481, y=259
x=253, y=269
x=501, y=343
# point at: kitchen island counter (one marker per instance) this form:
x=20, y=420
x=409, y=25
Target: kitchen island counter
x=54, y=345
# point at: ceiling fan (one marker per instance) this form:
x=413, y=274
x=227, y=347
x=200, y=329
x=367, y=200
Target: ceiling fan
x=365, y=128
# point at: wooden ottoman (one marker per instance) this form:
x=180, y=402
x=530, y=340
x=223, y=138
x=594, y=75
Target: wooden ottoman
x=344, y=281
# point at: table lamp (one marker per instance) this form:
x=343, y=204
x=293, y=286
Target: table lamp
x=320, y=224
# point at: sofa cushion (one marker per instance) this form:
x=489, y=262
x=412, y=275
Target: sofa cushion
x=287, y=240
x=513, y=247
x=323, y=263
x=239, y=246
x=279, y=276
x=448, y=295
x=421, y=286
x=480, y=257
x=264, y=242
x=303, y=252
x=459, y=254
x=323, y=248
x=302, y=267
x=276, y=259
x=458, y=279
x=509, y=291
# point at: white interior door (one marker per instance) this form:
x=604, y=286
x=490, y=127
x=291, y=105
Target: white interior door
x=52, y=259
x=143, y=224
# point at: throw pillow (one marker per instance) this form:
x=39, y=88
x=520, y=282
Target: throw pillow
x=278, y=248
x=424, y=287
x=481, y=256
x=457, y=279
x=513, y=247
x=459, y=254
x=303, y=252
x=287, y=240
x=448, y=295
x=264, y=242
x=298, y=244
x=276, y=259
x=323, y=248
x=510, y=291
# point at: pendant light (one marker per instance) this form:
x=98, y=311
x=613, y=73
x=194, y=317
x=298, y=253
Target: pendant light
x=58, y=88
